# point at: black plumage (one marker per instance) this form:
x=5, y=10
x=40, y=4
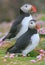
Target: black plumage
x=14, y=28
x=22, y=42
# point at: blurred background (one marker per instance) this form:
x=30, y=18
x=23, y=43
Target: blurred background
x=9, y=9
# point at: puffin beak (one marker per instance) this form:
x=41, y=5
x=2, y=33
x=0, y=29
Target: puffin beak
x=37, y=26
x=34, y=9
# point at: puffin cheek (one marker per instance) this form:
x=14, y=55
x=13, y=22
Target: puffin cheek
x=33, y=25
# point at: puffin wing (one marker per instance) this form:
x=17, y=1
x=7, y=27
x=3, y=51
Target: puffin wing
x=13, y=31
x=21, y=43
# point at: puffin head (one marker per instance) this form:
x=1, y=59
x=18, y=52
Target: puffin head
x=33, y=24
x=28, y=8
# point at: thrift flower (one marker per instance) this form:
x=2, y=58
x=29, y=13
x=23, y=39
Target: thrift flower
x=12, y=55
x=34, y=61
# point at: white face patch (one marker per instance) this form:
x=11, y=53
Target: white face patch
x=26, y=8
x=32, y=24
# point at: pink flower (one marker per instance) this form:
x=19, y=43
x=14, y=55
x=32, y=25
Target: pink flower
x=1, y=44
x=41, y=51
x=0, y=40
x=34, y=61
x=39, y=57
x=42, y=30
x=12, y=55
x=44, y=52
x=41, y=54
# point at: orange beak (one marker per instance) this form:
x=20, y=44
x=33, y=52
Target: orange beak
x=37, y=26
x=34, y=9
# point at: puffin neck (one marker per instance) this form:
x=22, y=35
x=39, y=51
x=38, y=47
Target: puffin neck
x=24, y=14
x=32, y=30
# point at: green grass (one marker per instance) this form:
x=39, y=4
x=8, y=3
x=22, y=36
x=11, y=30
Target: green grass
x=18, y=60
x=43, y=18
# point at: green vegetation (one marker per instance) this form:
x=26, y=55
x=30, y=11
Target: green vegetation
x=43, y=18
x=19, y=60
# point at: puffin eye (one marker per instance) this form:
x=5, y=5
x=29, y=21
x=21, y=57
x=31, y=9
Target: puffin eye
x=31, y=22
x=26, y=6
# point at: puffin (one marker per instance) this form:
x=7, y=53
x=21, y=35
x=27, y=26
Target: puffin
x=20, y=24
x=27, y=41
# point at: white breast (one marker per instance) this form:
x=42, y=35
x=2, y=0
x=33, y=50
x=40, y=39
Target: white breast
x=24, y=28
x=34, y=42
